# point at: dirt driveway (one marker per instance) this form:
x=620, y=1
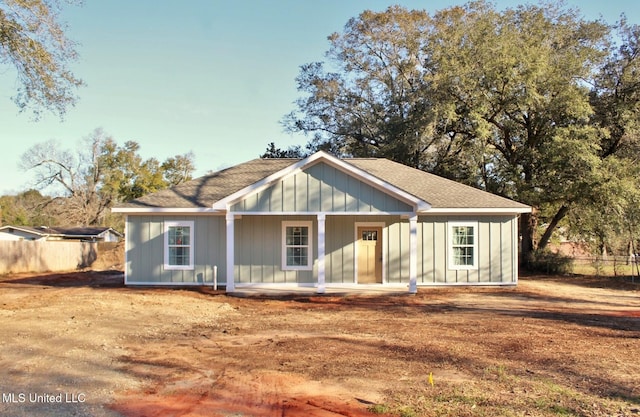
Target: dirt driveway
x=81, y=344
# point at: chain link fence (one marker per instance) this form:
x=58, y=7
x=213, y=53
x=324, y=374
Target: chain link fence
x=553, y=263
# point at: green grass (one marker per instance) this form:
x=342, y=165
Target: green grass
x=604, y=269
x=379, y=409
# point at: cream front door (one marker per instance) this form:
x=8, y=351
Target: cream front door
x=369, y=255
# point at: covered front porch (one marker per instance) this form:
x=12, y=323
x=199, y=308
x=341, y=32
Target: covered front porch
x=321, y=252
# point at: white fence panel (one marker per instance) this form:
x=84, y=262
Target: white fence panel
x=45, y=256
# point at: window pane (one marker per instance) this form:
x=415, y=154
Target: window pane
x=179, y=256
x=297, y=256
x=463, y=256
x=369, y=235
x=297, y=235
x=463, y=235
x=179, y=235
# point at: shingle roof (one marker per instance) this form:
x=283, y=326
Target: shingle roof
x=439, y=192
x=204, y=191
x=81, y=231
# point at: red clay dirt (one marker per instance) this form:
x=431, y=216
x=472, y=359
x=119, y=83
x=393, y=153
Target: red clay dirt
x=548, y=346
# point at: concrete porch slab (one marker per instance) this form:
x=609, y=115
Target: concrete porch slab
x=278, y=290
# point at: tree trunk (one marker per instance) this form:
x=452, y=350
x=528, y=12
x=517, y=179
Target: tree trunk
x=528, y=223
x=560, y=214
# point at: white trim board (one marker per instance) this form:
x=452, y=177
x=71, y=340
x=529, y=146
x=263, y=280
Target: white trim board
x=167, y=210
x=472, y=210
x=325, y=213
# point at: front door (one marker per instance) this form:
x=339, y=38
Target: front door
x=369, y=255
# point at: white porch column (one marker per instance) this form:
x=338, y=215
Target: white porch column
x=413, y=254
x=230, y=252
x=321, y=270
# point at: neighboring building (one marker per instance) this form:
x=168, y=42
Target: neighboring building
x=322, y=221
x=85, y=234
x=22, y=233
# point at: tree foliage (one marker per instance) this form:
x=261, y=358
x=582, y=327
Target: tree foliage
x=27, y=209
x=32, y=40
x=529, y=102
x=101, y=173
x=611, y=219
x=291, y=152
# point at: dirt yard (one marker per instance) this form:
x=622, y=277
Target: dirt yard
x=81, y=344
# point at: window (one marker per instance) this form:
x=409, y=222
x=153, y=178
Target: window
x=463, y=250
x=178, y=245
x=369, y=235
x=296, y=246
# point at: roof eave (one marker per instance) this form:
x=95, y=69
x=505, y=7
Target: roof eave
x=32, y=232
x=164, y=210
x=477, y=210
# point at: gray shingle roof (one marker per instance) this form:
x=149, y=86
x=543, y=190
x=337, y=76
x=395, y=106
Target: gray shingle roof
x=439, y=192
x=204, y=191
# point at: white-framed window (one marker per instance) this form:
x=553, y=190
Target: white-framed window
x=178, y=245
x=463, y=245
x=297, y=249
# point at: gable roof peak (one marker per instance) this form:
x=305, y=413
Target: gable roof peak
x=315, y=158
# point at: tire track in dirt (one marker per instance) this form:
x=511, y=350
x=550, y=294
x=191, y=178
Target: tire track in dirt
x=261, y=394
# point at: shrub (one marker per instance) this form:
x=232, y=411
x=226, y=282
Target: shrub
x=550, y=263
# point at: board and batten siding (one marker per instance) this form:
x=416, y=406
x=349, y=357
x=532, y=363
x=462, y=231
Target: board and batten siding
x=497, y=244
x=258, y=251
x=145, y=251
x=320, y=188
x=340, y=245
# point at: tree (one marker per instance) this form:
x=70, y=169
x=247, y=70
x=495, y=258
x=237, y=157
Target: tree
x=100, y=174
x=74, y=176
x=291, y=152
x=498, y=100
x=178, y=169
x=26, y=209
x=125, y=175
x=372, y=105
x=612, y=218
x=32, y=40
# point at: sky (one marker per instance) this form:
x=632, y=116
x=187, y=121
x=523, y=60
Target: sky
x=210, y=77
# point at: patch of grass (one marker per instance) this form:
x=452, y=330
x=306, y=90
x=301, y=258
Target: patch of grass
x=400, y=410
x=498, y=372
x=407, y=411
x=561, y=410
x=379, y=409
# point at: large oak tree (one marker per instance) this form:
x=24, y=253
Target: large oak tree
x=33, y=42
x=502, y=100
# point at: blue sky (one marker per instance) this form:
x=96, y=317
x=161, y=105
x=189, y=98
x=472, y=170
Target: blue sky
x=208, y=76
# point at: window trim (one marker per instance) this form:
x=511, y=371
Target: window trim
x=451, y=262
x=297, y=223
x=191, y=246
